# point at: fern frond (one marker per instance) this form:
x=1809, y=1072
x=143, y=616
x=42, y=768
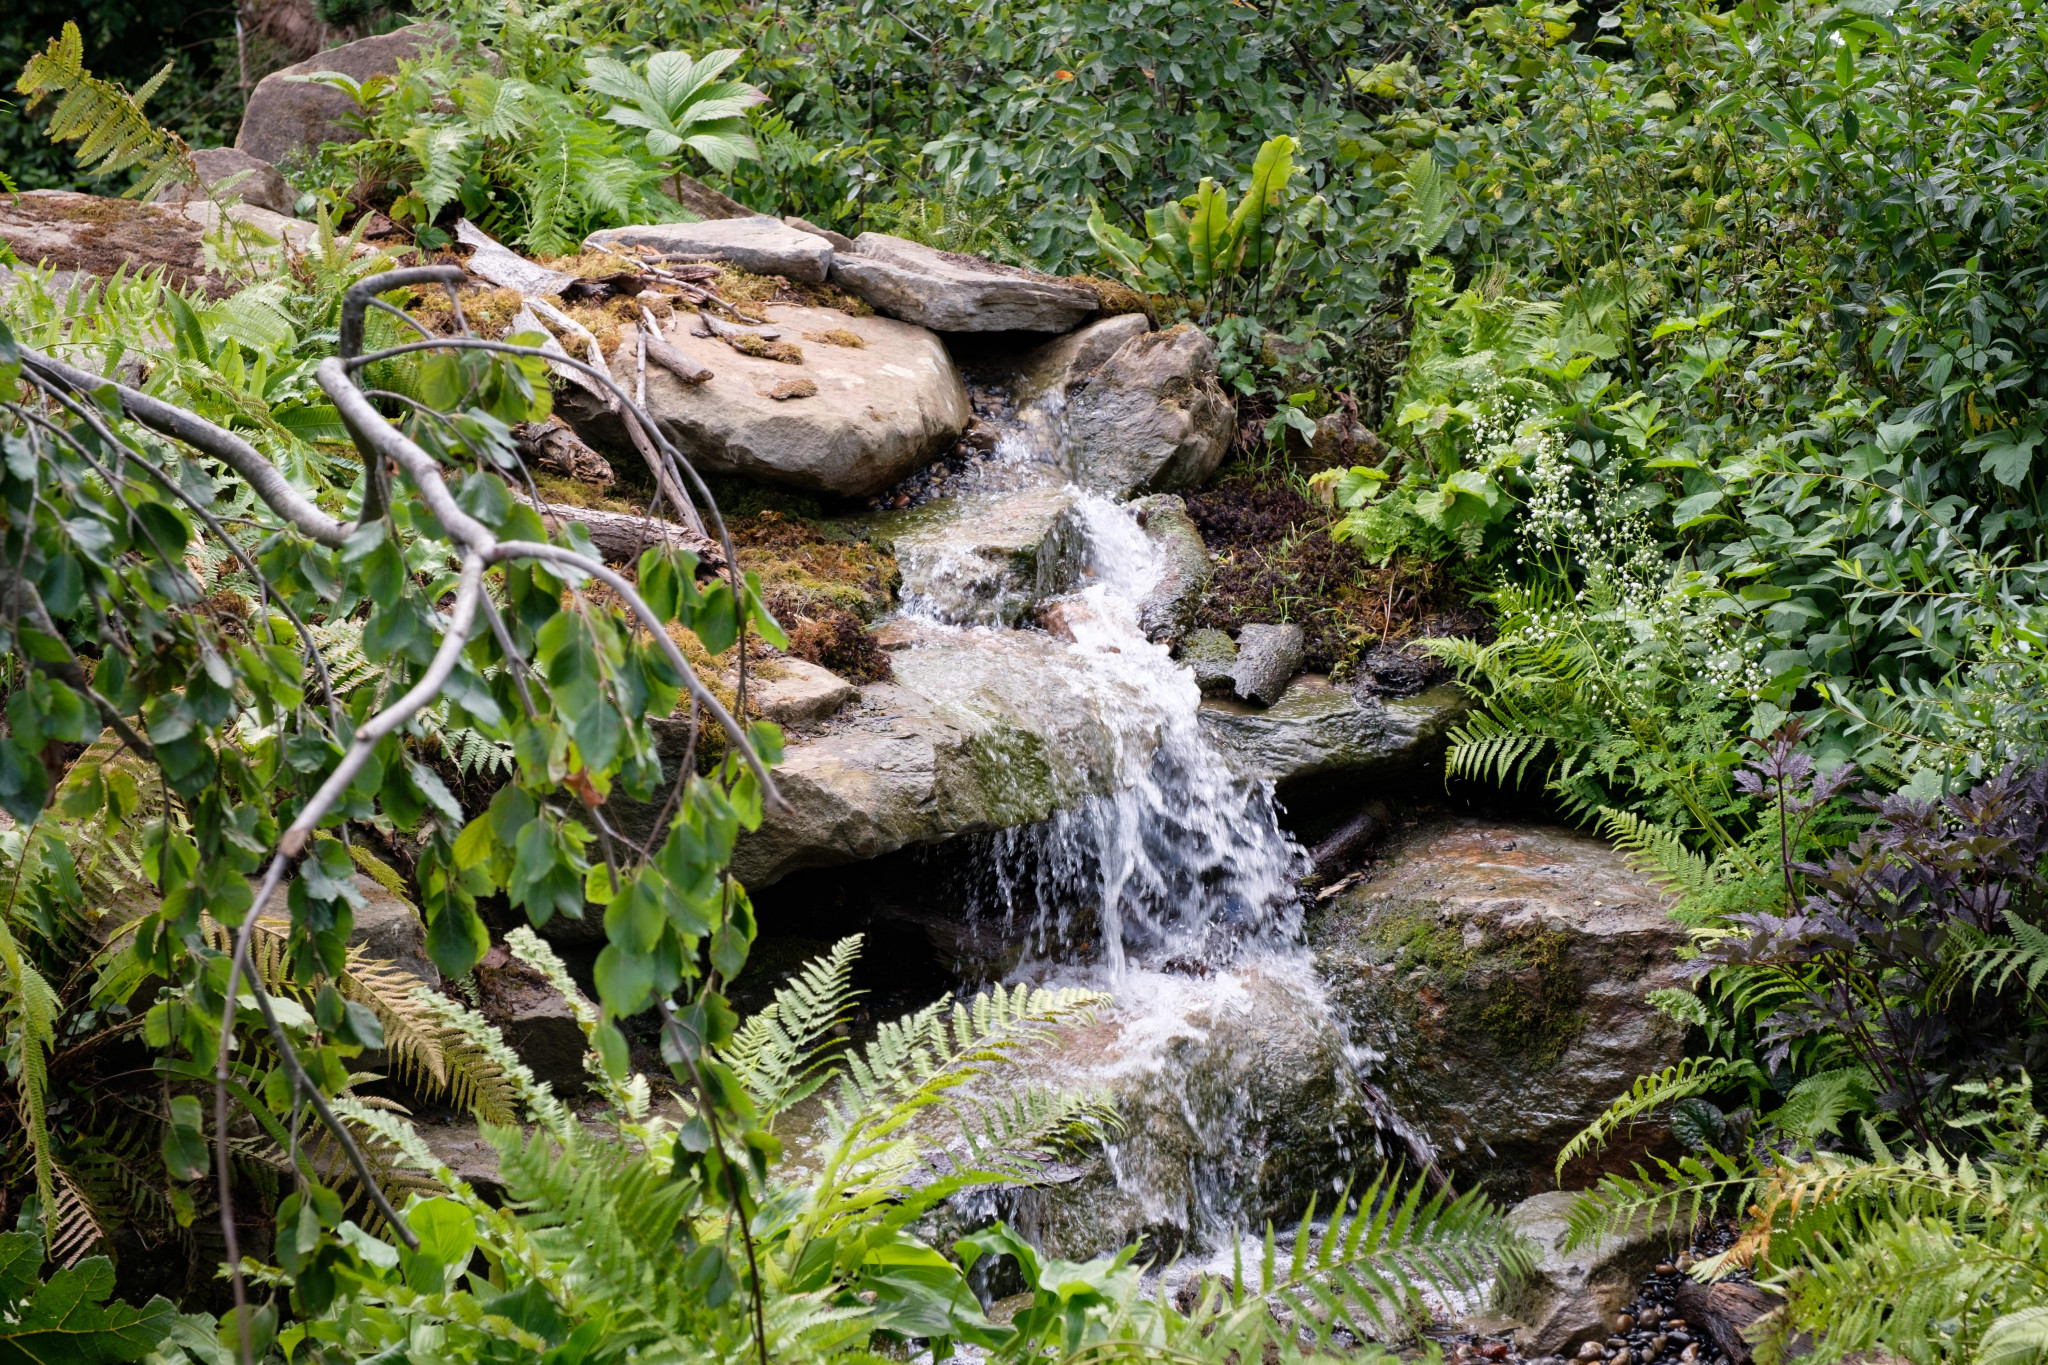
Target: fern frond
x=104, y=119
x=784, y=1052
x=1658, y=851
x=1692, y=1076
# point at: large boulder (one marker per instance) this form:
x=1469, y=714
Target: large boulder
x=388, y=929
x=286, y=115
x=949, y=292
x=1500, y=970
x=1152, y=416
x=1048, y=371
x=757, y=243
x=876, y=411
x=1322, y=737
x=979, y=730
x=986, y=559
x=259, y=184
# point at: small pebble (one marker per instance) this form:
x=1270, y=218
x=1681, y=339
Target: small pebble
x=1624, y=1322
x=1657, y=1345
x=1691, y=1353
x=1667, y=1269
x=1592, y=1350
x=1623, y=1357
x=1495, y=1350
x=1685, y=1261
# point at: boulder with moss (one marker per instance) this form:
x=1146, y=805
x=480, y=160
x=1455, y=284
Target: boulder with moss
x=1500, y=971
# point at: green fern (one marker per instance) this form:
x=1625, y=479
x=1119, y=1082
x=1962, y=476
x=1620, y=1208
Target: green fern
x=1693, y=1076
x=786, y=1051
x=105, y=120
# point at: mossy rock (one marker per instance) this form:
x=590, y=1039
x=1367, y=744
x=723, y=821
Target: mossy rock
x=1499, y=971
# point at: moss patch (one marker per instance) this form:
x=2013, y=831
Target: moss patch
x=1515, y=986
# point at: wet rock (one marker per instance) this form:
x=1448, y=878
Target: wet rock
x=757, y=243
x=839, y=240
x=1318, y=736
x=1063, y=617
x=260, y=183
x=949, y=292
x=1267, y=658
x=882, y=409
x=1237, y=1104
x=460, y=1146
x=1500, y=968
x=537, y=1022
x=285, y=115
x=1566, y=1301
x=388, y=929
x=986, y=559
x=1050, y=370
x=1213, y=656
x=800, y=693
x=977, y=731
x=1153, y=416
x=1398, y=671
x=1169, y=607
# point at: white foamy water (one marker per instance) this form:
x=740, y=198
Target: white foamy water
x=1181, y=859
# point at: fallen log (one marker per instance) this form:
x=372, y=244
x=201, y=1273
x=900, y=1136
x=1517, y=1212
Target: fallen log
x=1726, y=1309
x=621, y=537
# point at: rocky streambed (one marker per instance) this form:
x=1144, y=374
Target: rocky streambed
x=1318, y=964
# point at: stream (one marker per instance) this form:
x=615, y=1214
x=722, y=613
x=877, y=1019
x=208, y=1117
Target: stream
x=1176, y=895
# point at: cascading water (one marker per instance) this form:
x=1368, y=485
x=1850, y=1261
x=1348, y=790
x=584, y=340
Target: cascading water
x=1181, y=861
x=1176, y=894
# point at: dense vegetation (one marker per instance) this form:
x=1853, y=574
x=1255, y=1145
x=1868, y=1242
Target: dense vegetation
x=1698, y=345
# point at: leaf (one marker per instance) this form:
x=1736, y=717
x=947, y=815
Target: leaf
x=68, y=1320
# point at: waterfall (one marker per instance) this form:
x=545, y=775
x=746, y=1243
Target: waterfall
x=1182, y=862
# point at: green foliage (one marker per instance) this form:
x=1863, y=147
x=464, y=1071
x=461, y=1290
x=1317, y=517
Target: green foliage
x=681, y=103
x=1925, y=1254
x=105, y=120
x=67, y=1319
x=1200, y=248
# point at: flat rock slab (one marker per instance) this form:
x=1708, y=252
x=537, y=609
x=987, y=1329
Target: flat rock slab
x=99, y=236
x=284, y=115
x=881, y=409
x=1317, y=734
x=1500, y=968
x=949, y=292
x=987, y=559
x=800, y=693
x=757, y=243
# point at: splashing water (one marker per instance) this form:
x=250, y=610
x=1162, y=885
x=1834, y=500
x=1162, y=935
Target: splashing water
x=1181, y=860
